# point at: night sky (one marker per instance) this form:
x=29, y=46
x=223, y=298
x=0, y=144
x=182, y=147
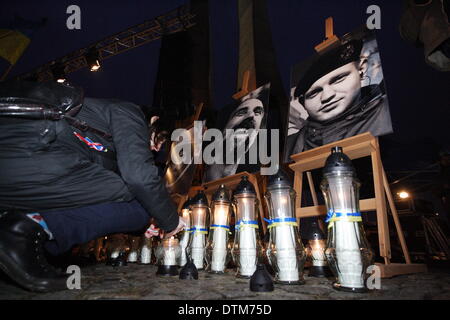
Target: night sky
x=419, y=96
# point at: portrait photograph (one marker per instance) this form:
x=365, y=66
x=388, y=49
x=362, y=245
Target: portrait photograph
x=245, y=118
x=178, y=175
x=336, y=94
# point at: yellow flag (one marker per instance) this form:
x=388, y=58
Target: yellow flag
x=12, y=44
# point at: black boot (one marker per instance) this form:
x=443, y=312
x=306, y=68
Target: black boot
x=22, y=254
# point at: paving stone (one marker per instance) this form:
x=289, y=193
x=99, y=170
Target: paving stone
x=134, y=281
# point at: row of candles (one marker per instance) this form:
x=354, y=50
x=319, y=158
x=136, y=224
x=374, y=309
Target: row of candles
x=346, y=250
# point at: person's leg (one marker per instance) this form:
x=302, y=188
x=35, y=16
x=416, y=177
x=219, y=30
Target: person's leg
x=23, y=238
x=22, y=255
x=80, y=225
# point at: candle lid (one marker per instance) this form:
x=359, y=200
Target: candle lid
x=314, y=232
x=337, y=162
x=278, y=181
x=261, y=281
x=199, y=199
x=187, y=204
x=221, y=194
x=244, y=186
x=189, y=271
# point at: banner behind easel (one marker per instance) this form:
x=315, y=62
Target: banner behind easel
x=336, y=94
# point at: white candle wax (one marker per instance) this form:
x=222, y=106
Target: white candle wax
x=146, y=254
x=198, y=249
x=184, y=242
x=285, y=244
x=318, y=253
x=170, y=245
x=286, y=255
x=348, y=255
x=169, y=257
x=198, y=242
x=247, y=250
x=219, y=252
x=132, y=256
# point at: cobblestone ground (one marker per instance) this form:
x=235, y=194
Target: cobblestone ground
x=134, y=281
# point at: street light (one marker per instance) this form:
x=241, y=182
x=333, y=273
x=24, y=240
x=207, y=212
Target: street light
x=58, y=72
x=403, y=195
x=92, y=60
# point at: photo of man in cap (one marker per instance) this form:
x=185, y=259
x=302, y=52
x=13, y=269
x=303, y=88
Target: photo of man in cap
x=342, y=94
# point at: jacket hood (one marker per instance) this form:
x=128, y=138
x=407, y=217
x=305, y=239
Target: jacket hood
x=63, y=97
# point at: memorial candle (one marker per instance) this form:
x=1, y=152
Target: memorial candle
x=217, y=249
x=285, y=250
x=197, y=241
x=246, y=247
x=348, y=251
x=185, y=234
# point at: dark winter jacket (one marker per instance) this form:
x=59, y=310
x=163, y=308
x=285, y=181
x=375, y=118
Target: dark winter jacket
x=50, y=165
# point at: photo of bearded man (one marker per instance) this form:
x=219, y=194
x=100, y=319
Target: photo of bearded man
x=240, y=133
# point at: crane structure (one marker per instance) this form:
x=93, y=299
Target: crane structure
x=174, y=21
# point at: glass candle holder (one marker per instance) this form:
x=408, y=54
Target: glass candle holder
x=217, y=253
x=285, y=249
x=315, y=249
x=145, y=256
x=116, y=248
x=134, y=243
x=348, y=251
x=186, y=233
x=167, y=254
x=246, y=249
x=199, y=231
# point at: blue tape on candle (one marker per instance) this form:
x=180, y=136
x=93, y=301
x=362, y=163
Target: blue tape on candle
x=342, y=216
x=247, y=223
x=199, y=230
x=219, y=226
x=281, y=221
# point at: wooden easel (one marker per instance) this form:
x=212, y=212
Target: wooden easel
x=231, y=182
x=357, y=147
x=247, y=86
x=331, y=40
